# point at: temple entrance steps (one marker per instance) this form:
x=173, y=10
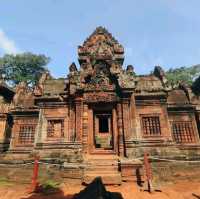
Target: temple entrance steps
x=106, y=166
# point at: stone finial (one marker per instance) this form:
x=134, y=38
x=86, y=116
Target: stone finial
x=20, y=93
x=73, y=68
x=38, y=90
x=159, y=72
x=46, y=75
x=130, y=69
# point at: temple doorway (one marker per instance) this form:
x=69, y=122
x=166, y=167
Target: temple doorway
x=103, y=130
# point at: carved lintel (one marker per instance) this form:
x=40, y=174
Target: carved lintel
x=100, y=97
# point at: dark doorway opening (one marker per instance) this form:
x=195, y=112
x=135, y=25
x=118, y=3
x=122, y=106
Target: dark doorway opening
x=103, y=124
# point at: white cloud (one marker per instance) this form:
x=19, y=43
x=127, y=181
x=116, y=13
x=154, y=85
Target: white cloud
x=7, y=44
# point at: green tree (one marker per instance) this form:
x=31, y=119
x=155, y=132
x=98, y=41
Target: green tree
x=196, y=86
x=183, y=74
x=26, y=67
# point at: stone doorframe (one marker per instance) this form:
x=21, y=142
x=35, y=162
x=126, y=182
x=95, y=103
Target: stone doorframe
x=91, y=128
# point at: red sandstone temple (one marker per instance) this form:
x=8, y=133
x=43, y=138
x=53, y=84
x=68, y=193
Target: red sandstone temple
x=101, y=117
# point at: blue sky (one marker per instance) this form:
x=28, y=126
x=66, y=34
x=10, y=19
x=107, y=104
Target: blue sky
x=153, y=32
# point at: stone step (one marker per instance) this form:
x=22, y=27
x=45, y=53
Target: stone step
x=97, y=173
x=101, y=169
x=103, y=162
x=106, y=178
x=101, y=165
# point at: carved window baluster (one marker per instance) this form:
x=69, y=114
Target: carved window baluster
x=26, y=133
x=183, y=131
x=55, y=128
x=151, y=126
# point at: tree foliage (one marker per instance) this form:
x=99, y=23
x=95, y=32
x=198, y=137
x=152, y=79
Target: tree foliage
x=196, y=86
x=26, y=67
x=183, y=75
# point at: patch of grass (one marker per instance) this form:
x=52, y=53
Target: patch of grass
x=4, y=182
x=49, y=187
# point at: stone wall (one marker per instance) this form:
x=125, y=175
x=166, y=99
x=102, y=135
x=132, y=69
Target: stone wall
x=47, y=172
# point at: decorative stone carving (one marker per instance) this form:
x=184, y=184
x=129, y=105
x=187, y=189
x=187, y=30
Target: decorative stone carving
x=100, y=97
x=4, y=108
x=126, y=80
x=72, y=68
x=159, y=72
x=100, y=45
x=38, y=90
x=23, y=96
x=101, y=58
x=20, y=93
x=130, y=69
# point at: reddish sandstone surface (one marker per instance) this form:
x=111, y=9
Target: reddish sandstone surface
x=178, y=190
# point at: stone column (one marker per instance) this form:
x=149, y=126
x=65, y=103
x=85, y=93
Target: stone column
x=133, y=120
x=120, y=130
x=115, y=130
x=78, y=108
x=38, y=130
x=85, y=129
x=14, y=135
x=3, y=122
x=126, y=118
x=72, y=120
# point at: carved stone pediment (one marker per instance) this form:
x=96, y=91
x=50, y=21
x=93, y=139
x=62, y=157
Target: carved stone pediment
x=101, y=45
x=101, y=58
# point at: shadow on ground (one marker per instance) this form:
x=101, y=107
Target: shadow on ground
x=95, y=190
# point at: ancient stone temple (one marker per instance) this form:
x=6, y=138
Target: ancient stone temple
x=101, y=116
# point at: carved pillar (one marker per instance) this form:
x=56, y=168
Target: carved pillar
x=167, y=128
x=85, y=129
x=3, y=125
x=115, y=130
x=14, y=135
x=133, y=120
x=120, y=130
x=78, y=107
x=72, y=123
x=126, y=118
x=38, y=131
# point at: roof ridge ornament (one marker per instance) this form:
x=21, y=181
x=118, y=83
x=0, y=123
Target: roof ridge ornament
x=101, y=30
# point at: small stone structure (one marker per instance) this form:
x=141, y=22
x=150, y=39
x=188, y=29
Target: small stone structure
x=99, y=120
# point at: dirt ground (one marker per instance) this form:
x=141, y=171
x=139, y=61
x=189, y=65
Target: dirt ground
x=178, y=190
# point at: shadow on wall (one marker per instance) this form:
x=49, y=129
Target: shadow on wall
x=95, y=190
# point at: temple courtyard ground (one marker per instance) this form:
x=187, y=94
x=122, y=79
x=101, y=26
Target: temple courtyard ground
x=185, y=189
